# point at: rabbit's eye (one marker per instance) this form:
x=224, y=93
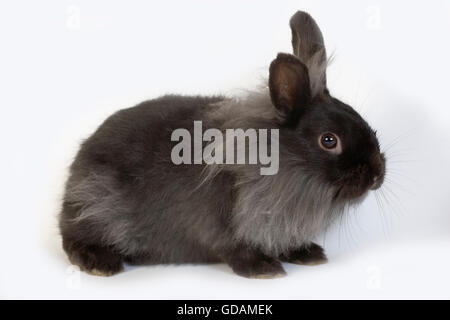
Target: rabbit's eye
x=330, y=142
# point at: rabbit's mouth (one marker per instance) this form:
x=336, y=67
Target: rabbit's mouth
x=338, y=192
x=357, y=182
x=350, y=192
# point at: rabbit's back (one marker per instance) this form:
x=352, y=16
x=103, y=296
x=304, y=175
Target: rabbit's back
x=124, y=190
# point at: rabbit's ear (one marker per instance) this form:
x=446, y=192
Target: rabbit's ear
x=309, y=47
x=289, y=84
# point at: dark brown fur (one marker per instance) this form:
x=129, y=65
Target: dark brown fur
x=126, y=201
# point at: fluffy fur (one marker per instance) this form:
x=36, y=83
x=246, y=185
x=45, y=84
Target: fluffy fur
x=264, y=214
x=125, y=200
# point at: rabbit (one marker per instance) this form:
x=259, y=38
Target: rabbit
x=126, y=201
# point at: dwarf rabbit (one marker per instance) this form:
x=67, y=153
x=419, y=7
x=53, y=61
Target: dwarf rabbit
x=126, y=201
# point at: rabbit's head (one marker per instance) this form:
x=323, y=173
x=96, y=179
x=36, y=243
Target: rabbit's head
x=333, y=141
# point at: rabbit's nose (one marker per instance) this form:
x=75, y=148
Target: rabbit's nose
x=376, y=182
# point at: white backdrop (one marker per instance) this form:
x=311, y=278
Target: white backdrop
x=66, y=65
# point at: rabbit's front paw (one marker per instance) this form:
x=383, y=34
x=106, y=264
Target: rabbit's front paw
x=253, y=264
x=310, y=255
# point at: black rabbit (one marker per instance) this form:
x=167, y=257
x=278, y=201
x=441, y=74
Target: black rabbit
x=126, y=201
